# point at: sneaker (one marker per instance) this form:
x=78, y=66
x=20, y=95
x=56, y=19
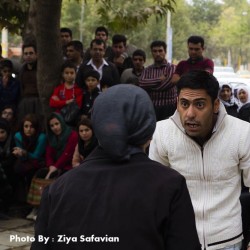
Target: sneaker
x=32, y=214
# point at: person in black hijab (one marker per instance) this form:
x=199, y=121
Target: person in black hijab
x=87, y=141
x=118, y=198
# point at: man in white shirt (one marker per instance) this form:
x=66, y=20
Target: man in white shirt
x=106, y=69
x=211, y=149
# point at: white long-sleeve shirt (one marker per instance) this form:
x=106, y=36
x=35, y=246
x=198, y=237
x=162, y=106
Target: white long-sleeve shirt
x=212, y=172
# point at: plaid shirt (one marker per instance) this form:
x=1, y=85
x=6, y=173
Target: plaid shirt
x=162, y=93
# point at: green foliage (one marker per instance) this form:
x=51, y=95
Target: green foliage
x=126, y=15
x=70, y=16
x=13, y=15
x=123, y=17
x=224, y=26
x=206, y=12
x=233, y=32
x=182, y=29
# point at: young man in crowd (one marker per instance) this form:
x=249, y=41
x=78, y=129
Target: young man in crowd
x=211, y=149
x=74, y=52
x=196, y=60
x=66, y=37
x=156, y=80
x=132, y=75
x=97, y=62
x=101, y=33
x=119, y=56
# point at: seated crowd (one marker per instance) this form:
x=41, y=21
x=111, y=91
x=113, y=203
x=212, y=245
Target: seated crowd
x=29, y=151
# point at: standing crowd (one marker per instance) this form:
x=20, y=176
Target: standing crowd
x=105, y=110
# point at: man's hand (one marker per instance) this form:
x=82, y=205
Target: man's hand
x=163, y=78
x=119, y=60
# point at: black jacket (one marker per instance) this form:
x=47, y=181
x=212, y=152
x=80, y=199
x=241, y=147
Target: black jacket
x=244, y=113
x=108, y=72
x=140, y=201
x=88, y=101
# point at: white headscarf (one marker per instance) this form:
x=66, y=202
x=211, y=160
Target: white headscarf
x=232, y=100
x=247, y=89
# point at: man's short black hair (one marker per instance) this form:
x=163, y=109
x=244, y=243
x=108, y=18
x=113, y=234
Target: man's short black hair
x=76, y=44
x=27, y=45
x=158, y=43
x=196, y=40
x=100, y=29
x=98, y=42
x=66, y=30
x=199, y=79
x=139, y=52
x=118, y=38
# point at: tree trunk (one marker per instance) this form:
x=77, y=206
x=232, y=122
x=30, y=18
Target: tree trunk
x=49, y=49
x=29, y=32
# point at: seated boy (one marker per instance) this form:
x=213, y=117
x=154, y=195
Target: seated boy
x=92, y=80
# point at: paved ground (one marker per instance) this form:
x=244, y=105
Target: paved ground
x=16, y=231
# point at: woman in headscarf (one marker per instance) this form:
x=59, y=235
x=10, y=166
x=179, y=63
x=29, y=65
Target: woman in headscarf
x=30, y=148
x=87, y=141
x=7, y=160
x=227, y=98
x=119, y=198
x=60, y=149
x=59, y=153
x=243, y=95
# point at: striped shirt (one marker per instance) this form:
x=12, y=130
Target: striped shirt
x=162, y=93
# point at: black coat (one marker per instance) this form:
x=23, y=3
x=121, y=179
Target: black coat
x=109, y=72
x=143, y=203
x=88, y=101
x=244, y=113
x=232, y=110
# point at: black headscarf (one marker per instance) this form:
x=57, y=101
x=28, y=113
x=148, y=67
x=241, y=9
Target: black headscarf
x=83, y=148
x=123, y=119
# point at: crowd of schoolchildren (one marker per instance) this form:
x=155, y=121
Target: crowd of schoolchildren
x=29, y=151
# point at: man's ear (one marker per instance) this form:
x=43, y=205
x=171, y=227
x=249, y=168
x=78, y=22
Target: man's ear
x=216, y=105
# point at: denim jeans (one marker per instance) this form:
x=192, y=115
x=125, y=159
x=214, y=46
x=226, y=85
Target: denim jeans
x=236, y=246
